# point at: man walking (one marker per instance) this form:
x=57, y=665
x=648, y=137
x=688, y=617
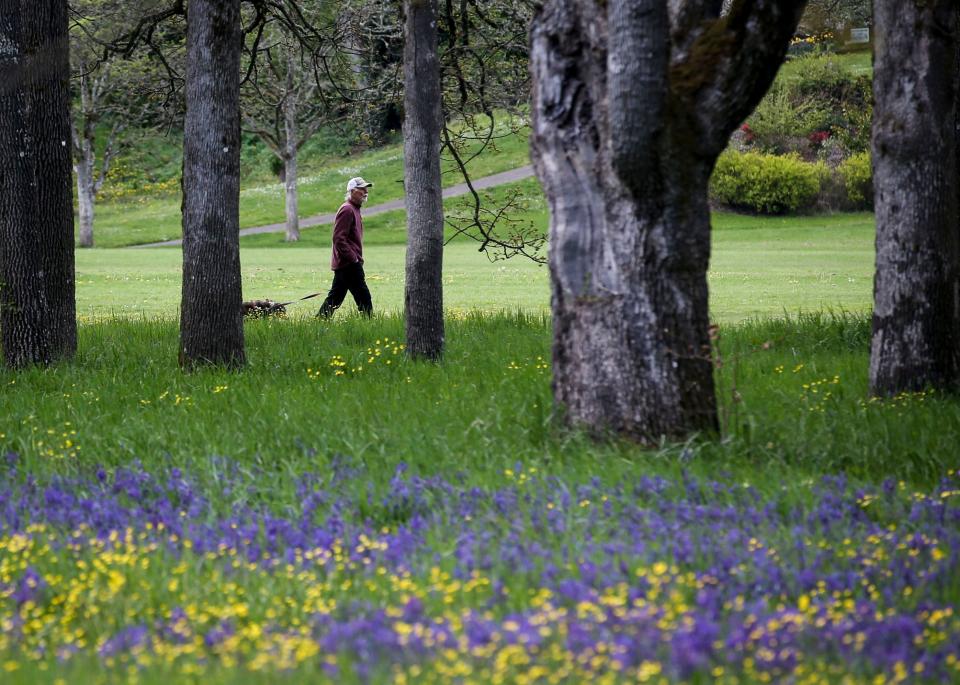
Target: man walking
x=347, y=259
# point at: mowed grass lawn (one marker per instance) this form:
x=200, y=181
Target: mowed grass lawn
x=761, y=266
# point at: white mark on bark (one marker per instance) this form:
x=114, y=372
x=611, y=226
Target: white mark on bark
x=8, y=47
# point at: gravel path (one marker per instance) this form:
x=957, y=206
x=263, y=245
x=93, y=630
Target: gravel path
x=453, y=191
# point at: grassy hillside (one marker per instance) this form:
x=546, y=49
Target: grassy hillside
x=150, y=211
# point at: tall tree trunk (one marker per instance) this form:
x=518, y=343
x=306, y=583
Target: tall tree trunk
x=292, y=142
x=211, y=325
x=290, y=159
x=916, y=318
x=86, y=195
x=292, y=199
x=633, y=101
x=423, y=296
x=37, y=288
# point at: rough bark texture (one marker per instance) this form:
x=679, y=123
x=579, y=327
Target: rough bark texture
x=916, y=318
x=211, y=326
x=423, y=297
x=37, y=288
x=632, y=104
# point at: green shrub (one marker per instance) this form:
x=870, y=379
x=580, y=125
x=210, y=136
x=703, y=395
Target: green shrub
x=822, y=76
x=763, y=183
x=857, y=176
x=782, y=114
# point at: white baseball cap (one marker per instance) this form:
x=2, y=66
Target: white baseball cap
x=357, y=183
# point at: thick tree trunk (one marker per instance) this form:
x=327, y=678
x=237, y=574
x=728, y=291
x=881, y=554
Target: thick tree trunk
x=916, y=319
x=423, y=296
x=86, y=195
x=633, y=101
x=631, y=351
x=211, y=325
x=37, y=291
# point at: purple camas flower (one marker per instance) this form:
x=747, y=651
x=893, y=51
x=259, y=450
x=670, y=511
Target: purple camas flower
x=28, y=587
x=127, y=639
x=693, y=575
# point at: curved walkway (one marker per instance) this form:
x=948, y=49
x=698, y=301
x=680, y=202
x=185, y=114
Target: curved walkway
x=453, y=191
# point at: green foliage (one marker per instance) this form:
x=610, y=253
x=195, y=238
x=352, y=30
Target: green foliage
x=857, y=176
x=848, y=96
x=815, y=98
x=825, y=76
x=769, y=184
x=819, y=110
x=816, y=44
x=820, y=14
x=782, y=116
x=148, y=165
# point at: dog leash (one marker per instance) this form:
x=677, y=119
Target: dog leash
x=306, y=297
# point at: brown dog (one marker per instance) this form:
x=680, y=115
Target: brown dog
x=257, y=309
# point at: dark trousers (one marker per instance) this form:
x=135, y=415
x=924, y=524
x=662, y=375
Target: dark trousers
x=348, y=278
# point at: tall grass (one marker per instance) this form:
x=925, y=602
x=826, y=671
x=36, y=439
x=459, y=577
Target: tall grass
x=793, y=396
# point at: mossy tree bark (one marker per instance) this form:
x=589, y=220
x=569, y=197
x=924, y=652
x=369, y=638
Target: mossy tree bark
x=916, y=317
x=423, y=293
x=633, y=100
x=37, y=286
x=211, y=324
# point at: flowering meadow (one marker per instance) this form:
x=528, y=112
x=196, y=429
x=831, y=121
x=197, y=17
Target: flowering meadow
x=413, y=523
x=536, y=580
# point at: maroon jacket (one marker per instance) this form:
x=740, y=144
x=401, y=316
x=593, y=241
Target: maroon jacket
x=347, y=237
